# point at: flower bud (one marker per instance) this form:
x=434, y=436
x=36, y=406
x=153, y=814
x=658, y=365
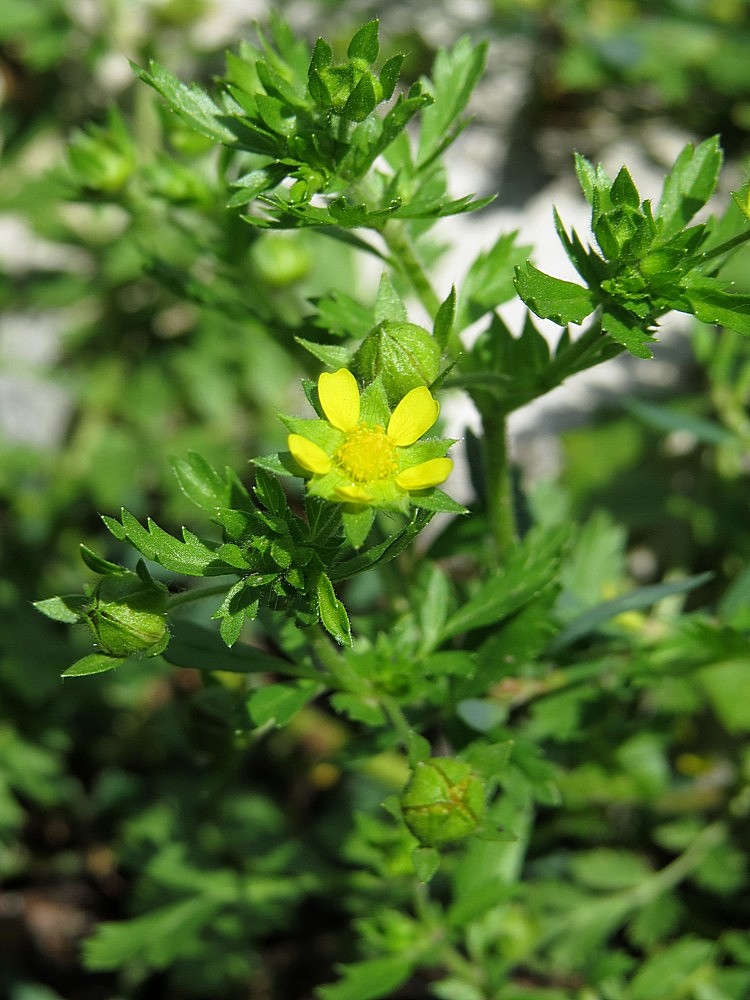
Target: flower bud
x=127, y=615
x=404, y=355
x=443, y=801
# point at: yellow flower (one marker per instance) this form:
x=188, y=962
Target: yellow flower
x=362, y=453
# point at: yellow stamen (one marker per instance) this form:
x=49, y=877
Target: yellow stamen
x=367, y=455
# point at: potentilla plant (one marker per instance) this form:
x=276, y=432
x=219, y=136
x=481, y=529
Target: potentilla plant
x=309, y=142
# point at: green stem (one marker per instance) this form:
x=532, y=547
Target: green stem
x=408, y=263
x=498, y=486
x=398, y=720
x=728, y=245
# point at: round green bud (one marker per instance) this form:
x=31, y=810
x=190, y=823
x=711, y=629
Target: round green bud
x=404, y=355
x=127, y=616
x=443, y=801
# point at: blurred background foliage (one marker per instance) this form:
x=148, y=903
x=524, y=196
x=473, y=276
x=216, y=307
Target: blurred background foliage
x=141, y=319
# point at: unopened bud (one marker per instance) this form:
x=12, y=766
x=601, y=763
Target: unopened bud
x=404, y=355
x=443, y=801
x=127, y=616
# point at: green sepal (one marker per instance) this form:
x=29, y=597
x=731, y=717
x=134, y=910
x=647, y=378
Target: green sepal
x=94, y=663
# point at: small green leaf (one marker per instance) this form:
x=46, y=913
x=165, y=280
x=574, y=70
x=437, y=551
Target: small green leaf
x=359, y=708
x=389, y=305
x=627, y=331
x=357, y=526
x=727, y=686
x=332, y=612
x=94, y=663
x=444, y=318
x=281, y=702
x=623, y=191
x=607, y=869
x=552, y=298
x=65, y=609
x=426, y=861
x=269, y=492
x=364, y=44
x=437, y=502
x=99, y=565
x=389, y=75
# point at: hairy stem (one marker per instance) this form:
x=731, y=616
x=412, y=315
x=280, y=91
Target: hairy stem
x=408, y=263
x=498, y=486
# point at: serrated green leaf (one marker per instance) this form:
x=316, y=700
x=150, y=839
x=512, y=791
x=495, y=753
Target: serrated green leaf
x=94, y=663
x=586, y=177
x=158, y=937
x=332, y=355
x=370, y=980
x=552, y=298
x=269, y=492
x=191, y=103
x=623, y=191
x=532, y=568
x=455, y=73
x=191, y=556
x=200, y=482
x=713, y=304
x=689, y=185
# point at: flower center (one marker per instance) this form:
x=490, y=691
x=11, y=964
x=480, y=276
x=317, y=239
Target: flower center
x=366, y=455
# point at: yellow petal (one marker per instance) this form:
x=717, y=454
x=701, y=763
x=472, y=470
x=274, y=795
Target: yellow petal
x=354, y=494
x=414, y=415
x=339, y=397
x=308, y=454
x=424, y=475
